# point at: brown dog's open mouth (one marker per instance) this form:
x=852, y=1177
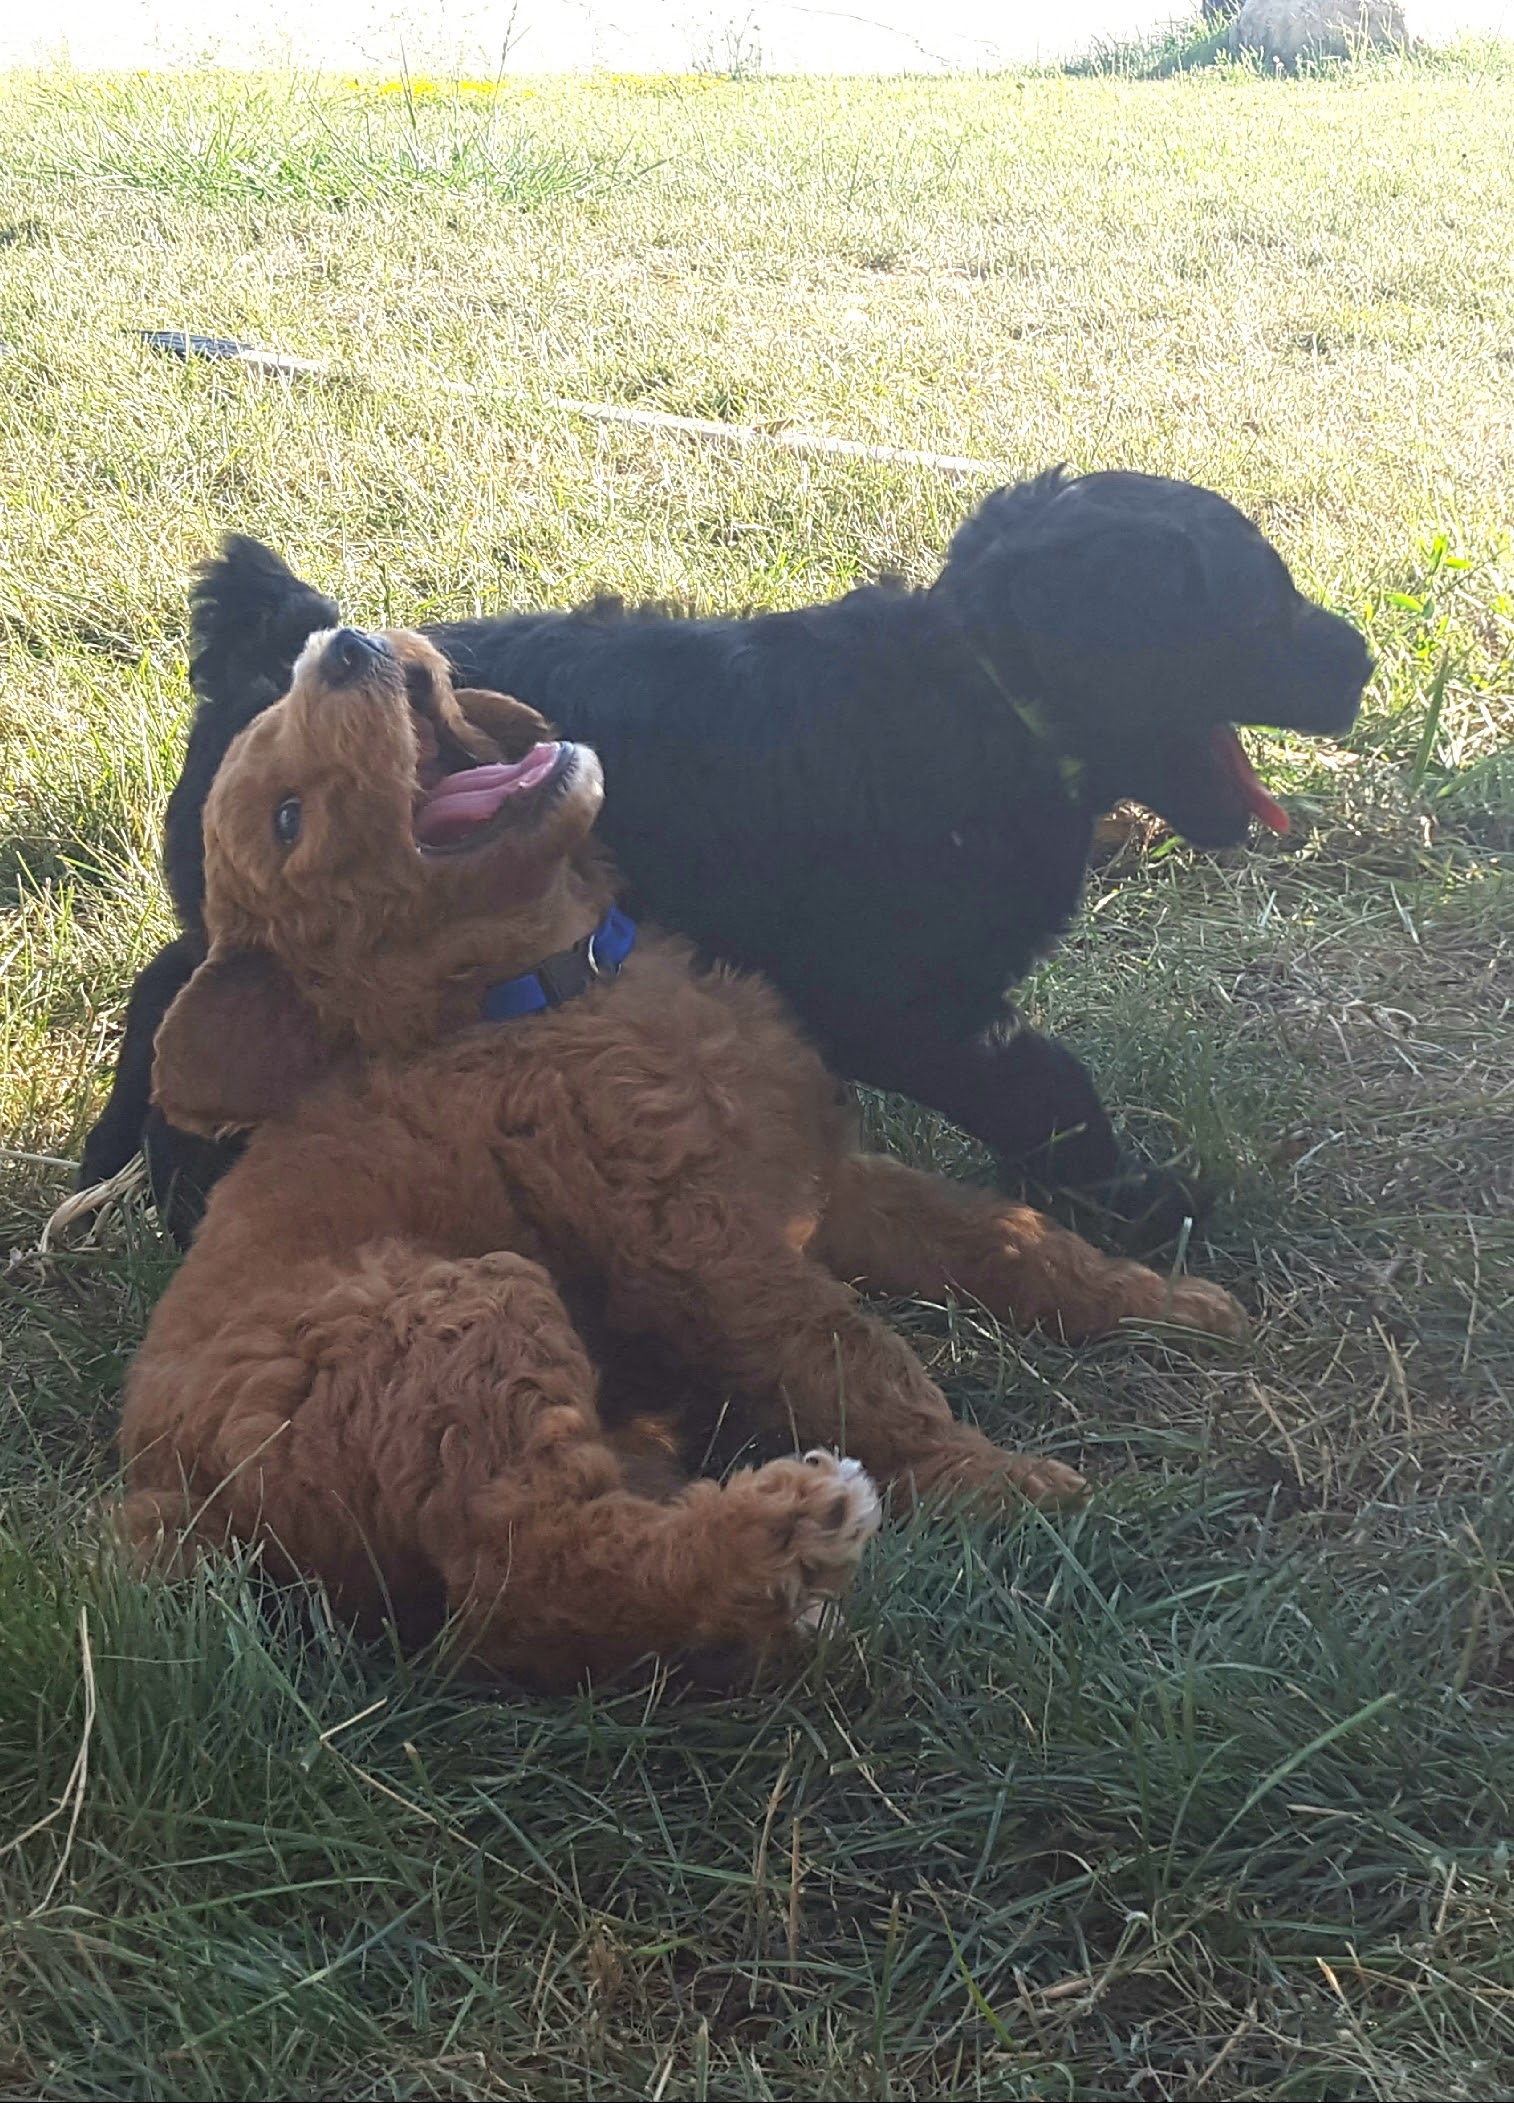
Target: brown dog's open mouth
x=462, y=811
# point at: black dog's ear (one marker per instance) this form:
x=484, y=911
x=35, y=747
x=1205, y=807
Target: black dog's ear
x=1114, y=565
x=239, y=1045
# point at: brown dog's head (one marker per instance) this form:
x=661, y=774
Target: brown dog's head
x=378, y=847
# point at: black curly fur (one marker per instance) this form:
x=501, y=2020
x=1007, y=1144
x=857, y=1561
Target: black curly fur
x=885, y=803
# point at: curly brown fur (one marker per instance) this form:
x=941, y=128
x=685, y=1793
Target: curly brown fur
x=385, y=1383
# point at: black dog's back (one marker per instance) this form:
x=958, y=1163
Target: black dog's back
x=774, y=778
x=886, y=802
x=837, y=796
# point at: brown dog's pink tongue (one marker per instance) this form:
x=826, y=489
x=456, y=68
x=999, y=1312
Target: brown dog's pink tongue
x=462, y=802
x=1230, y=753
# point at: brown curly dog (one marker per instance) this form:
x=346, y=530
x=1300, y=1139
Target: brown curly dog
x=368, y=1362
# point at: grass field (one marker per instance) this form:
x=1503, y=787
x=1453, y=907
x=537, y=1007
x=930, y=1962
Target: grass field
x=1205, y=1791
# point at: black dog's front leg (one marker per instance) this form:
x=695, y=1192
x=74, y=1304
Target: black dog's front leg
x=180, y=1167
x=116, y=1137
x=1034, y=1105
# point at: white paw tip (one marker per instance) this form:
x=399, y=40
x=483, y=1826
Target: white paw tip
x=818, y=1618
x=864, y=1493
x=864, y=1490
x=861, y=1490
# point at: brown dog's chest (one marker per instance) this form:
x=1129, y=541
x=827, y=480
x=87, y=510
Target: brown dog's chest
x=583, y=1137
x=658, y=1091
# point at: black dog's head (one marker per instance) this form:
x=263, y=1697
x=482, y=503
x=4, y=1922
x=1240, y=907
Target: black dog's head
x=1141, y=620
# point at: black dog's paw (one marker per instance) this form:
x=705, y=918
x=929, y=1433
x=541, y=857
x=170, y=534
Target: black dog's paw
x=182, y=1170
x=1135, y=1213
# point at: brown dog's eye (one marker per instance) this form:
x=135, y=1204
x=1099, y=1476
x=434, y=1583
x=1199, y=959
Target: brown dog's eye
x=286, y=821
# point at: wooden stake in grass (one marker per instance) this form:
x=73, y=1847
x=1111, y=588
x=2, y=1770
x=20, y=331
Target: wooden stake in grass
x=186, y=344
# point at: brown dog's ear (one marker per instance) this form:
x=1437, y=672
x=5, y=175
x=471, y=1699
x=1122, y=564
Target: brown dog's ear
x=513, y=726
x=239, y=1045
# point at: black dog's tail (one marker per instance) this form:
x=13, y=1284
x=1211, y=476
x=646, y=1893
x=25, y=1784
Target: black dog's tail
x=250, y=616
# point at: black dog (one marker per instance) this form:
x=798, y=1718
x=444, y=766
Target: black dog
x=885, y=804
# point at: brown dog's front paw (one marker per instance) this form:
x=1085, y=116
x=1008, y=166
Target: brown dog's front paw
x=1194, y=1305
x=972, y=1471
x=1046, y=1481
x=156, y=1530
x=833, y=1511
x=987, y=1477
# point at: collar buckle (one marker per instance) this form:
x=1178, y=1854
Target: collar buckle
x=596, y=958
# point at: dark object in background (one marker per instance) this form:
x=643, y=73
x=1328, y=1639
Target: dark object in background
x=186, y=344
x=885, y=803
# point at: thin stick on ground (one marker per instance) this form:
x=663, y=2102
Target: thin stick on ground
x=780, y=435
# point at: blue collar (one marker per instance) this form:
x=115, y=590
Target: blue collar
x=572, y=971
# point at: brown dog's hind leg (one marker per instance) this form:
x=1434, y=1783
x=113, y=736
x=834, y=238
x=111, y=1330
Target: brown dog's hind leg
x=415, y=1426
x=892, y=1229
x=772, y=1321
x=549, y=1584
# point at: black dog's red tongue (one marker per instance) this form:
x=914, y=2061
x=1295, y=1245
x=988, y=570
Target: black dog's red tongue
x=1230, y=754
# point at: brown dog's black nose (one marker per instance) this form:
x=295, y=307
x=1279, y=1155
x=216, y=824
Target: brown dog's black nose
x=350, y=655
